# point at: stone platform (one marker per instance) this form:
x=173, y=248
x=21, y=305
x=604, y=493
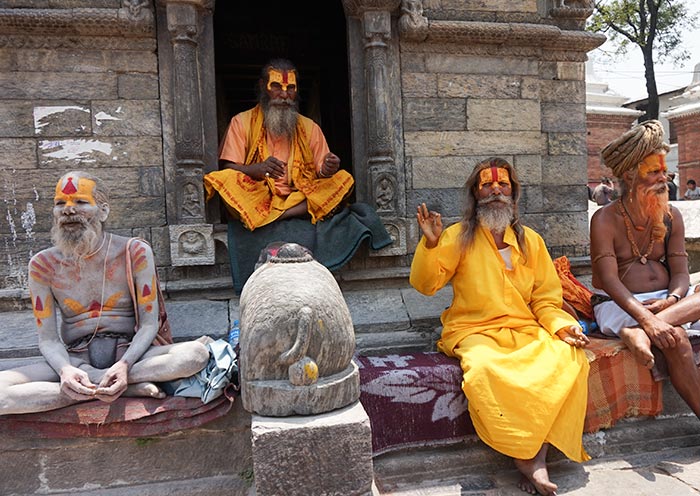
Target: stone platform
x=645, y=456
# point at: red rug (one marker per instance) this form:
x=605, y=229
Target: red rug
x=126, y=417
x=417, y=400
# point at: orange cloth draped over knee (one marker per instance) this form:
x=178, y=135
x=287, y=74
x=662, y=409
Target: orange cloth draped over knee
x=525, y=386
x=575, y=293
x=260, y=202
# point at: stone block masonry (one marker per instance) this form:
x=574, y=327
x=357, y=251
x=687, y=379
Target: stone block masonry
x=85, y=101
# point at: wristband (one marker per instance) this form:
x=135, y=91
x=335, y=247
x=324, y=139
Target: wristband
x=676, y=296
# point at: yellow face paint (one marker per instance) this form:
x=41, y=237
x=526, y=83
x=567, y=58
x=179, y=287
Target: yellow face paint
x=283, y=78
x=652, y=164
x=493, y=176
x=70, y=193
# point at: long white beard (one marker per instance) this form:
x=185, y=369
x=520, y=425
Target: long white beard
x=76, y=244
x=281, y=119
x=495, y=213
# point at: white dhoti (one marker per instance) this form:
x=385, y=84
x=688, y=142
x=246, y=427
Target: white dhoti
x=611, y=318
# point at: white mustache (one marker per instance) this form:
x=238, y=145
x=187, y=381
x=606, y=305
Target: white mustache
x=499, y=198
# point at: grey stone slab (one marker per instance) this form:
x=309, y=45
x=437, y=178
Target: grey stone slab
x=503, y=115
x=16, y=119
x=377, y=310
x=563, y=91
x=444, y=172
x=58, y=85
x=323, y=454
x=478, y=86
x=423, y=308
x=686, y=471
x=93, y=465
x=18, y=153
x=13, y=363
x=126, y=118
x=138, y=86
x=191, y=319
x=419, y=84
x=563, y=117
x=62, y=120
x=567, y=144
x=565, y=198
x=640, y=482
x=442, y=143
x=18, y=335
x=565, y=170
x=471, y=64
x=490, y=5
x=80, y=61
x=103, y=151
x=446, y=201
x=393, y=342
x=434, y=114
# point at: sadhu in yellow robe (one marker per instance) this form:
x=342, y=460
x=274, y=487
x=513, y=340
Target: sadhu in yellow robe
x=525, y=386
x=260, y=202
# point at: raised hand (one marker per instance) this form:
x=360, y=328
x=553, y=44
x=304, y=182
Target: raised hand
x=431, y=224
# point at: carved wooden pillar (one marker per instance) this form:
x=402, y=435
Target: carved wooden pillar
x=374, y=38
x=381, y=157
x=191, y=239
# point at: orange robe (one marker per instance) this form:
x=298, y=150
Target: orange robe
x=524, y=385
x=260, y=202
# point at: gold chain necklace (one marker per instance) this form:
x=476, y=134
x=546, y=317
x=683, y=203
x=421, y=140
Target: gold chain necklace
x=628, y=225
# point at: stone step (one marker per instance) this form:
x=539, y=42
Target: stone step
x=473, y=466
x=214, y=459
x=385, y=320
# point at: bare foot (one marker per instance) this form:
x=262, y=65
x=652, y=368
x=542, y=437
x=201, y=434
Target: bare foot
x=147, y=389
x=535, y=476
x=639, y=344
x=525, y=485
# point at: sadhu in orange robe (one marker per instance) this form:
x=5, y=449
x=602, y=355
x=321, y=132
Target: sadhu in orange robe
x=525, y=386
x=258, y=203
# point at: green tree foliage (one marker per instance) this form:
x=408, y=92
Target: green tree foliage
x=655, y=26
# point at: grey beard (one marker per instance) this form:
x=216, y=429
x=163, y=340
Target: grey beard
x=281, y=120
x=495, y=213
x=75, y=245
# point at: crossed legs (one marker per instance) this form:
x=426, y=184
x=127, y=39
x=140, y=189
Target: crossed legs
x=683, y=372
x=36, y=387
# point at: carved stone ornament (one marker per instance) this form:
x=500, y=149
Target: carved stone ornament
x=358, y=7
x=413, y=25
x=297, y=338
x=192, y=244
x=397, y=230
x=505, y=33
x=134, y=19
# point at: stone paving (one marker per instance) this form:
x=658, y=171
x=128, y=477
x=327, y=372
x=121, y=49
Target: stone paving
x=668, y=473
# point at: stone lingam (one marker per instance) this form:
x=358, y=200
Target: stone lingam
x=297, y=338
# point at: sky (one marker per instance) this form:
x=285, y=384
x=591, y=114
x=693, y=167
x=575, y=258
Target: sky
x=625, y=75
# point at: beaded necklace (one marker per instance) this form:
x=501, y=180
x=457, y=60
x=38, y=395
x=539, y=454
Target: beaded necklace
x=628, y=225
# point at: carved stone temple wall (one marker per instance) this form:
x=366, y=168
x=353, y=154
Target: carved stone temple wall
x=126, y=89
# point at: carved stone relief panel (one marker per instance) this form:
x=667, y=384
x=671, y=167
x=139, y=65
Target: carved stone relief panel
x=191, y=244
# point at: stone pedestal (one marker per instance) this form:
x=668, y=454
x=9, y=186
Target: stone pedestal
x=326, y=454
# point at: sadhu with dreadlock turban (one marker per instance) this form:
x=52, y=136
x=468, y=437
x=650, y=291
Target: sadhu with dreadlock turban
x=640, y=266
x=525, y=375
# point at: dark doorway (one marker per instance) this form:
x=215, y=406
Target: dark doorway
x=310, y=34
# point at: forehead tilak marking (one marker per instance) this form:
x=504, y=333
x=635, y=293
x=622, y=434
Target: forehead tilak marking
x=69, y=188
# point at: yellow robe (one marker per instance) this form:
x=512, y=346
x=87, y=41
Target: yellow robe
x=524, y=385
x=258, y=203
